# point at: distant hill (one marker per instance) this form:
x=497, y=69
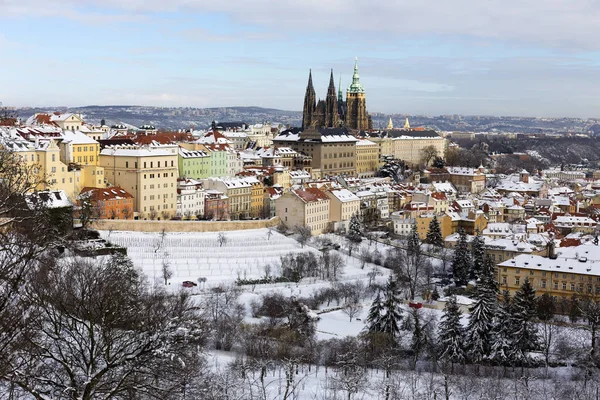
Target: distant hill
x=170, y=118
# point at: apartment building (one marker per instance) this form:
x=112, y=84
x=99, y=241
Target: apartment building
x=332, y=151
x=467, y=180
x=216, y=205
x=190, y=198
x=304, y=207
x=149, y=173
x=575, y=271
x=344, y=204
x=109, y=202
x=239, y=192
x=367, y=158
x=83, y=151
x=194, y=164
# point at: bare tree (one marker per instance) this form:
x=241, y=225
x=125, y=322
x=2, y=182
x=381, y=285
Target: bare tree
x=304, y=234
x=101, y=334
x=337, y=265
x=167, y=272
x=153, y=214
x=365, y=257
x=127, y=213
x=160, y=241
x=221, y=239
x=269, y=233
x=428, y=153
x=352, y=309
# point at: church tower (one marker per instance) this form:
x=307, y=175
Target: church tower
x=310, y=103
x=332, y=119
x=341, y=104
x=356, y=105
x=390, y=124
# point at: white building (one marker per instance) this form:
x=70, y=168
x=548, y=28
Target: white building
x=190, y=198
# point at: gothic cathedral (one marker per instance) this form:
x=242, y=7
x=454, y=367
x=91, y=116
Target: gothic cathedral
x=334, y=112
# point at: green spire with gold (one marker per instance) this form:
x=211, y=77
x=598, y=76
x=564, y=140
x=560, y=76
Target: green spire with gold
x=356, y=87
x=340, y=95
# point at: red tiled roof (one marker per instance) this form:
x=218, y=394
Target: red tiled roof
x=439, y=195
x=310, y=195
x=109, y=193
x=570, y=242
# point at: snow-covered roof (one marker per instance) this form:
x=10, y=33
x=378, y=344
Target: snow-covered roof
x=77, y=137
x=587, y=261
x=49, y=198
x=134, y=152
x=344, y=195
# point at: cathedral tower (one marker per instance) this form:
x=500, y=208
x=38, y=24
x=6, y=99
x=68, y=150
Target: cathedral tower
x=332, y=119
x=356, y=104
x=310, y=103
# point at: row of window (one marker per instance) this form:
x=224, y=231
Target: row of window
x=557, y=274
x=152, y=176
x=164, y=196
x=342, y=165
x=135, y=164
x=164, y=207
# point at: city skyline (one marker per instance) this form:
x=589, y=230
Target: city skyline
x=426, y=58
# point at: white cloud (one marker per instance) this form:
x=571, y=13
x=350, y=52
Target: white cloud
x=563, y=24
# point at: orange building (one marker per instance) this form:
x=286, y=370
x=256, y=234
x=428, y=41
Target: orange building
x=109, y=203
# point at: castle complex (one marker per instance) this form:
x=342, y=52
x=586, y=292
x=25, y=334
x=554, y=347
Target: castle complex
x=334, y=112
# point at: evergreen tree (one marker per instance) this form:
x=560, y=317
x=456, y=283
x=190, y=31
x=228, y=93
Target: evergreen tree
x=501, y=346
x=524, y=335
x=418, y=337
x=481, y=321
x=392, y=314
x=413, y=246
x=354, y=229
x=477, y=256
x=375, y=314
x=461, y=263
x=434, y=234
x=451, y=334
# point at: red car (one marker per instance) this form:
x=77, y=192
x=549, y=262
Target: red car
x=189, y=284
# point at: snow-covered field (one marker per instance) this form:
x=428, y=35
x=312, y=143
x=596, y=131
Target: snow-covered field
x=190, y=256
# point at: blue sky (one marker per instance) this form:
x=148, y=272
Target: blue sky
x=511, y=57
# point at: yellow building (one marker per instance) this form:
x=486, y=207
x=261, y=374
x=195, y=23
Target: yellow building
x=367, y=158
x=282, y=178
x=308, y=207
x=239, y=192
x=409, y=144
x=576, y=272
x=445, y=221
x=344, y=204
x=256, y=196
x=149, y=173
x=67, y=121
x=84, y=152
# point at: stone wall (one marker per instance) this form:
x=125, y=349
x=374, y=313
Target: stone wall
x=182, y=226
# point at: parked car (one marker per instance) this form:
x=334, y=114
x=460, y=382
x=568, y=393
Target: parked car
x=189, y=284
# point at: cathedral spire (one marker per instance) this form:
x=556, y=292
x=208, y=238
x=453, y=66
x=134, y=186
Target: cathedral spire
x=356, y=87
x=309, y=103
x=331, y=84
x=340, y=95
x=406, y=124
x=331, y=111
